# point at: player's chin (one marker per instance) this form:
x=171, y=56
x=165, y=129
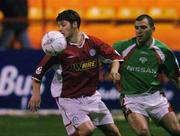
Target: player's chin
x=139, y=39
x=64, y=34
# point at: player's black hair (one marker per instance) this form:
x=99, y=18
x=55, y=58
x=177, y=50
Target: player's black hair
x=145, y=16
x=69, y=15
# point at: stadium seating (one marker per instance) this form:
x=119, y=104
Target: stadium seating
x=113, y=11
x=1, y=15
x=99, y=13
x=129, y=13
x=161, y=13
x=35, y=13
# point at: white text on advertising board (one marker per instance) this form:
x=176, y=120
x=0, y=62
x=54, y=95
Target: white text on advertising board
x=11, y=82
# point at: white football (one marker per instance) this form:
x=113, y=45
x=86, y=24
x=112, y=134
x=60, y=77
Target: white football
x=53, y=43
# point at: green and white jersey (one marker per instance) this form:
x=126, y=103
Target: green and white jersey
x=142, y=64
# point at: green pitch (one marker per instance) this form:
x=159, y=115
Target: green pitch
x=52, y=126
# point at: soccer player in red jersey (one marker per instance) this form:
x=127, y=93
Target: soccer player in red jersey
x=76, y=77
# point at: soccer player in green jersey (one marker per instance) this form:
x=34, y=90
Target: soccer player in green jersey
x=146, y=61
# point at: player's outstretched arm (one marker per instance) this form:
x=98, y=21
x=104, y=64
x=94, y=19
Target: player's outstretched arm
x=35, y=100
x=114, y=74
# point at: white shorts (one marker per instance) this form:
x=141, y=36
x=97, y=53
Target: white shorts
x=76, y=111
x=153, y=105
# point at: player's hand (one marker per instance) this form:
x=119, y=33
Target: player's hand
x=34, y=103
x=115, y=76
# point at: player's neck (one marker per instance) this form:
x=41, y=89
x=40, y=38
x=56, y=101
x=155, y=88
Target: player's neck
x=146, y=43
x=149, y=42
x=76, y=39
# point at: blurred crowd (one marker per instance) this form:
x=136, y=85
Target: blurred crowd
x=14, y=24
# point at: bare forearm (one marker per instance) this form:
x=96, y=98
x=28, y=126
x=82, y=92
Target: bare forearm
x=35, y=100
x=115, y=66
x=36, y=87
x=114, y=71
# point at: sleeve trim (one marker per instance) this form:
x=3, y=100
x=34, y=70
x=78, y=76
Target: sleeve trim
x=33, y=78
x=118, y=60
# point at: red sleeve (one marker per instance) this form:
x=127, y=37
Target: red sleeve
x=106, y=50
x=45, y=64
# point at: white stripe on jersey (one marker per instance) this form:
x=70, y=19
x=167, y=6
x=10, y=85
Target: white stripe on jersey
x=126, y=51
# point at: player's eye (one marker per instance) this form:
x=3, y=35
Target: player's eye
x=136, y=27
x=140, y=27
x=143, y=27
x=59, y=26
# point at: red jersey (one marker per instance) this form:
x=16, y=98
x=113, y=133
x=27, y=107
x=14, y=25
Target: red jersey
x=80, y=66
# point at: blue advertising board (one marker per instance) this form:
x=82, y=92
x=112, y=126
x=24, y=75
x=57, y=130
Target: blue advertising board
x=17, y=66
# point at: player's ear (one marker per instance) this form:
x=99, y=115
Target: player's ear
x=74, y=24
x=153, y=28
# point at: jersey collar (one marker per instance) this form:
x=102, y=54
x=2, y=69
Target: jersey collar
x=82, y=43
x=152, y=44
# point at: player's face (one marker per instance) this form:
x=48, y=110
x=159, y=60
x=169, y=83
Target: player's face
x=143, y=31
x=65, y=28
